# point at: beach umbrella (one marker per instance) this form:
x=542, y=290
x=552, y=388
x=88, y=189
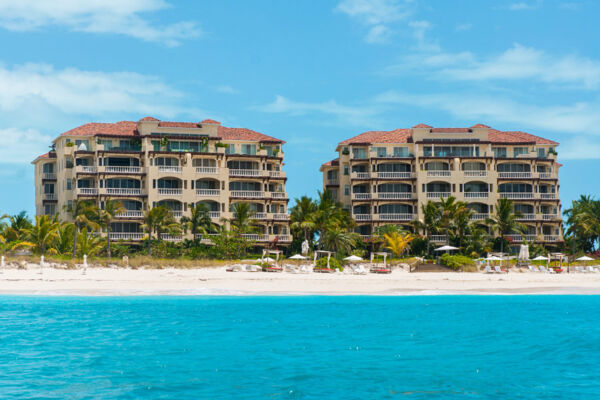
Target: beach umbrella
x=540, y=258
x=353, y=258
x=585, y=258
x=298, y=257
x=493, y=258
x=446, y=248
x=266, y=259
x=524, y=252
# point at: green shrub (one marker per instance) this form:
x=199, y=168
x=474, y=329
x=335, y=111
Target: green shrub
x=333, y=263
x=457, y=262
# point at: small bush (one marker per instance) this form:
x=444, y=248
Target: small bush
x=457, y=262
x=333, y=263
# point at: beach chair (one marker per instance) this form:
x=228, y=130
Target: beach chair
x=290, y=268
x=497, y=270
x=361, y=270
x=488, y=270
x=533, y=268
x=591, y=269
x=579, y=269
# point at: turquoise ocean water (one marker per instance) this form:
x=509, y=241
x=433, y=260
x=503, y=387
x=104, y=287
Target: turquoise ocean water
x=414, y=347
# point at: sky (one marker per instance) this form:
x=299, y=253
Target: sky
x=309, y=72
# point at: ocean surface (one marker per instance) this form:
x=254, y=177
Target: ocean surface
x=411, y=347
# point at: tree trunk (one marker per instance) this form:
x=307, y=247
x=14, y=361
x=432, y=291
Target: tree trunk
x=75, y=241
x=149, y=243
x=108, y=240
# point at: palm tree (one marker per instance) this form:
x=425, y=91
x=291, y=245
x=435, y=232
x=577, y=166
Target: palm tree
x=82, y=212
x=112, y=208
x=431, y=220
x=340, y=240
x=157, y=220
x=329, y=215
x=504, y=220
x=584, y=238
x=462, y=221
x=14, y=231
x=64, y=238
x=448, y=210
x=301, y=216
x=398, y=243
x=588, y=219
x=89, y=244
x=242, y=217
x=42, y=233
x=199, y=221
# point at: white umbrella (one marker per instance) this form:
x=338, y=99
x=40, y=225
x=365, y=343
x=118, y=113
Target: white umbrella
x=353, y=258
x=493, y=258
x=585, y=258
x=446, y=248
x=524, y=252
x=266, y=259
x=540, y=258
x=297, y=257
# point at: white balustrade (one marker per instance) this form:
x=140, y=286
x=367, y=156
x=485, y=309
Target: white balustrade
x=395, y=175
x=260, y=215
x=126, y=235
x=475, y=174
x=169, y=238
x=208, y=192
x=515, y=175
x=122, y=170
x=437, y=238
x=169, y=169
x=169, y=192
x=245, y=172
x=206, y=170
x=88, y=169
x=361, y=196
x=396, y=217
x=50, y=196
x=438, y=195
x=247, y=194
x=526, y=217
x=124, y=191
x=362, y=217
x=49, y=175
x=88, y=191
x=131, y=214
x=214, y=214
x=547, y=196
x=438, y=174
x=394, y=195
x=479, y=216
x=476, y=195
x=281, y=217
x=278, y=195
x=516, y=195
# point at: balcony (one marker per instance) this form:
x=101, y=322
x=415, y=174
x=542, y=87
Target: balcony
x=168, y=238
x=515, y=175
x=169, y=169
x=396, y=217
x=362, y=217
x=278, y=195
x=438, y=195
x=113, y=169
x=245, y=172
x=208, y=192
x=474, y=174
x=546, y=175
x=49, y=196
x=274, y=174
x=126, y=235
x=333, y=182
x=256, y=237
x=476, y=195
x=548, y=196
x=551, y=238
x=361, y=196
x=395, y=175
x=438, y=238
x=123, y=191
x=526, y=217
x=207, y=170
x=247, y=194
x=87, y=191
x=49, y=176
x=394, y=195
x=214, y=214
x=519, y=238
x=438, y=174
x=131, y=214
x=479, y=216
x=517, y=195
x=281, y=217
x=550, y=217
x=86, y=169
x=170, y=192
x=177, y=214
x=360, y=175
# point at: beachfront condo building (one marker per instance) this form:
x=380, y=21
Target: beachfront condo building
x=150, y=163
x=385, y=177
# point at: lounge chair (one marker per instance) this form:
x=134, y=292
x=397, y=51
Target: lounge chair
x=498, y=270
x=533, y=268
x=290, y=268
x=359, y=269
x=579, y=269
x=488, y=270
x=591, y=269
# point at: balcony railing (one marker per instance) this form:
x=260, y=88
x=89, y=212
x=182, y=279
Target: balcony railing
x=131, y=214
x=438, y=238
x=515, y=175
x=476, y=195
x=547, y=196
x=126, y=235
x=49, y=175
x=520, y=238
x=169, y=192
x=361, y=196
x=206, y=170
x=169, y=169
x=526, y=217
x=475, y=174
x=123, y=191
x=333, y=181
x=50, y=196
x=208, y=192
x=278, y=195
x=87, y=191
x=86, y=169
x=438, y=174
x=396, y=217
x=550, y=217
x=177, y=214
x=247, y=194
x=255, y=237
x=362, y=217
x=516, y=195
x=551, y=238
x=437, y=195
x=122, y=170
x=394, y=195
x=245, y=172
x=275, y=174
x=545, y=175
x=395, y=175
x=168, y=238
x=214, y=214
x=362, y=175
x=479, y=216
x=281, y=216
x=260, y=215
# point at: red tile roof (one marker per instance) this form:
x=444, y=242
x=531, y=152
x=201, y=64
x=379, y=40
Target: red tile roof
x=245, y=134
x=335, y=161
x=395, y=136
x=404, y=136
x=129, y=128
x=210, y=121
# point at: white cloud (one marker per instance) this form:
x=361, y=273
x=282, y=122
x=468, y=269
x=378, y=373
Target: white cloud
x=377, y=15
x=22, y=145
x=96, y=16
x=517, y=63
x=463, y=27
x=349, y=115
x=580, y=148
x=579, y=118
x=226, y=89
x=520, y=6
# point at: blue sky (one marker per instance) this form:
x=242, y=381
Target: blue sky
x=309, y=72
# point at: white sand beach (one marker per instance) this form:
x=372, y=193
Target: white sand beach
x=217, y=281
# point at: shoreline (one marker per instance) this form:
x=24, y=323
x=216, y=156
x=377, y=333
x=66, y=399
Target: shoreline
x=97, y=282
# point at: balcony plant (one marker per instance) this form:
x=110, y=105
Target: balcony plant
x=70, y=144
x=164, y=142
x=221, y=145
x=346, y=152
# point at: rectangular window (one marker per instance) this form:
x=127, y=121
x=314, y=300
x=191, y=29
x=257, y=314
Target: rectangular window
x=541, y=152
x=85, y=143
x=69, y=187
x=108, y=144
x=346, y=171
x=359, y=153
x=499, y=152
x=517, y=151
x=249, y=149
x=347, y=190
x=155, y=145
x=381, y=151
x=400, y=151
x=230, y=149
